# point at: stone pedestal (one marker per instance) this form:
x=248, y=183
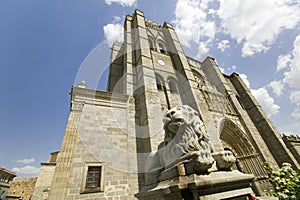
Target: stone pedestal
x=215, y=185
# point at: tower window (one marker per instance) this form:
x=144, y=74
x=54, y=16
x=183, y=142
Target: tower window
x=159, y=86
x=151, y=44
x=159, y=83
x=162, y=47
x=173, y=86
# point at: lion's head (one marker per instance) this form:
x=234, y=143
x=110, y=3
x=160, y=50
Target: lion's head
x=180, y=117
x=185, y=138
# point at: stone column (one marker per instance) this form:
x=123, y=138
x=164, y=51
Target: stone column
x=64, y=163
x=128, y=60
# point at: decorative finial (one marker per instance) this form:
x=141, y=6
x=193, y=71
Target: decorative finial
x=82, y=84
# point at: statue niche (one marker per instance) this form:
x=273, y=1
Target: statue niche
x=186, y=148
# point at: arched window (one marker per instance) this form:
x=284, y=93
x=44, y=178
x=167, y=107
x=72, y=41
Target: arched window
x=199, y=80
x=162, y=47
x=159, y=83
x=173, y=86
x=151, y=44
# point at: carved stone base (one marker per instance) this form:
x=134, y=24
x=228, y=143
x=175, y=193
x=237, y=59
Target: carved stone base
x=190, y=164
x=216, y=185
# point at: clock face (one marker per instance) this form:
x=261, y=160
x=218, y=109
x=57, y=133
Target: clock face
x=161, y=62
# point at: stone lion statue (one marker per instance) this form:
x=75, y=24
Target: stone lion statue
x=185, y=139
x=186, y=143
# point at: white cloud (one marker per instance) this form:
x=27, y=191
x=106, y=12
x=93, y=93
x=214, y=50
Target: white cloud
x=232, y=68
x=257, y=23
x=192, y=24
x=117, y=19
x=26, y=170
x=26, y=161
x=202, y=50
x=113, y=33
x=277, y=87
x=283, y=61
x=123, y=3
x=224, y=44
x=291, y=64
x=292, y=76
x=295, y=98
x=245, y=79
x=254, y=24
x=266, y=101
x=263, y=97
x=296, y=113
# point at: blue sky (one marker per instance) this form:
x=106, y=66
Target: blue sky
x=45, y=48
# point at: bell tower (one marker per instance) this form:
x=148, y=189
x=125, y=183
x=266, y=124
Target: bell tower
x=152, y=67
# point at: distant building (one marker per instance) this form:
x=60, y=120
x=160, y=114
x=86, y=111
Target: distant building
x=43, y=184
x=293, y=144
x=21, y=188
x=6, y=178
x=110, y=134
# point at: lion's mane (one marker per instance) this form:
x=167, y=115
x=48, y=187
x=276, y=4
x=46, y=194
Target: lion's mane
x=185, y=134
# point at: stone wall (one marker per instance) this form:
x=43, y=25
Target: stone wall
x=102, y=136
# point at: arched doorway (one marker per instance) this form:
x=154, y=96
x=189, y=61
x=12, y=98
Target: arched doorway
x=248, y=160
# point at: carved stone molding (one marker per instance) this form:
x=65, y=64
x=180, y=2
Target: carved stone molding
x=77, y=106
x=153, y=25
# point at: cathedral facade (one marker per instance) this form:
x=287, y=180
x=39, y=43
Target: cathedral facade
x=109, y=135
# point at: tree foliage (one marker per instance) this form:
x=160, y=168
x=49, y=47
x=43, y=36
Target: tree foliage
x=286, y=182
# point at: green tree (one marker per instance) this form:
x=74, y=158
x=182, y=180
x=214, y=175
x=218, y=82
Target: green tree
x=286, y=182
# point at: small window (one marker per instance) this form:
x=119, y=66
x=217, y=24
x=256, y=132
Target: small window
x=159, y=86
x=162, y=48
x=173, y=87
x=93, y=178
x=151, y=45
x=159, y=83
